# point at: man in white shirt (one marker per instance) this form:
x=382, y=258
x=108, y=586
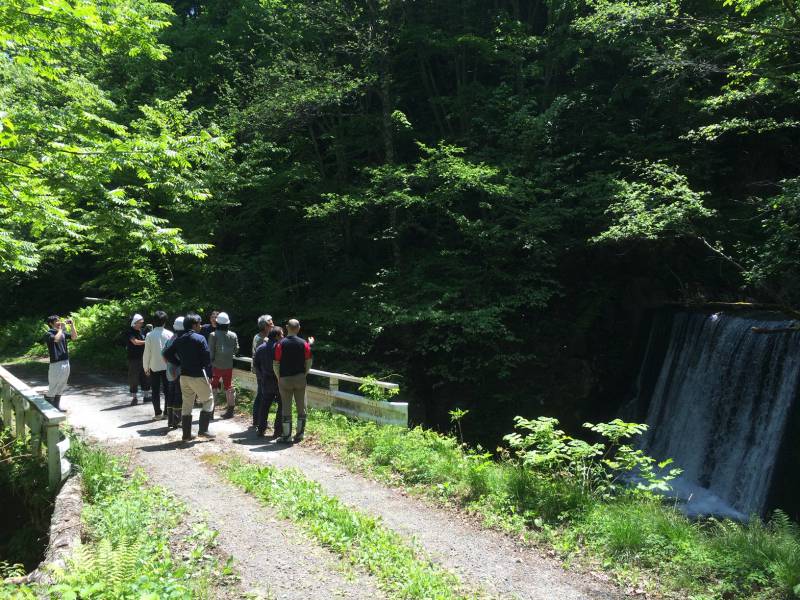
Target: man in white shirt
x=153, y=362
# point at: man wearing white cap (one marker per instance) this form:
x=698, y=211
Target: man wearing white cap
x=135, y=346
x=223, y=345
x=174, y=398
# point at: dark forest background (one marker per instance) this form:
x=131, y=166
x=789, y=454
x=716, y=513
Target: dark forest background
x=479, y=199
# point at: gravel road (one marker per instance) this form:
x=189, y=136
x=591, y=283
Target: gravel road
x=274, y=558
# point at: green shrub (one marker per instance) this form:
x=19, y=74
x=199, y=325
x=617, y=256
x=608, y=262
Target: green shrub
x=22, y=337
x=24, y=494
x=761, y=551
x=540, y=491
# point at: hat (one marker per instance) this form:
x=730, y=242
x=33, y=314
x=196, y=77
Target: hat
x=136, y=317
x=178, y=324
x=223, y=318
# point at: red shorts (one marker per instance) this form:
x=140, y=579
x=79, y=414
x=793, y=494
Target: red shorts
x=226, y=375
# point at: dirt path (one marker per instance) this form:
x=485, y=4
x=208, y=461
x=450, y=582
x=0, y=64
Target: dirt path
x=273, y=557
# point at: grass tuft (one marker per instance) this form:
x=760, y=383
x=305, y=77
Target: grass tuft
x=402, y=568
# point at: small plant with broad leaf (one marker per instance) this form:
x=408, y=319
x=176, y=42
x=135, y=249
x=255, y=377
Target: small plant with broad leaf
x=371, y=388
x=596, y=469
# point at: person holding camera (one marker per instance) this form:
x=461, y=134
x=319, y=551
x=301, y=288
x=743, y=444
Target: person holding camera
x=135, y=346
x=58, y=373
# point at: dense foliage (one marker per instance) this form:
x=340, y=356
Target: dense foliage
x=558, y=490
x=137, y=542
x=480, y=197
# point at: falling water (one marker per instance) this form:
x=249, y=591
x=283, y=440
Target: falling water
x=719, y=407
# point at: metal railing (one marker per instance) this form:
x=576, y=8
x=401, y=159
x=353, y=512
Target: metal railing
x=28, y=411
x=332, y=399
x=335, y=378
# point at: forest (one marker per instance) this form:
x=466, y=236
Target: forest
x=479, y=200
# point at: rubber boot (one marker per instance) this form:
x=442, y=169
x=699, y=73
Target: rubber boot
x=230, y=402
x=176, y=418
x=57, y=402
x=51, y=400
x=134, y=400
x=301, y=429
x=205, y=419
x=186, y=423
x=286, y=438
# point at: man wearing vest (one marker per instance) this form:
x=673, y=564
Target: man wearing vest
x=291, y=365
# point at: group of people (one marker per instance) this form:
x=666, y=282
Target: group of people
x=190, y=363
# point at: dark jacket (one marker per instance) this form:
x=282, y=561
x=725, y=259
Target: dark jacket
x=190, y=351
x=262, y=364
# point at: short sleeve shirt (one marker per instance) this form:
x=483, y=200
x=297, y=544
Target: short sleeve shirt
x=58, y=350
x=133, y=350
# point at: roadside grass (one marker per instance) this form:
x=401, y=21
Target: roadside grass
x=402, y=568
x=645, y=542
x=130, y=547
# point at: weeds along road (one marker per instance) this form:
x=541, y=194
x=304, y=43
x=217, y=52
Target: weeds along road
x=274, y=558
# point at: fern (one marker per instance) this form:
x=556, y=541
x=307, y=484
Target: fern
x=101, y=566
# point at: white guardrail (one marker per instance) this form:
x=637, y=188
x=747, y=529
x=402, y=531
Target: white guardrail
x=331, y=399
x=26, y=409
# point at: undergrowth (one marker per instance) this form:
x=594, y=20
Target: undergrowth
x=27, y=506
x=401, y=568
x=632, y=533
x=127, y=553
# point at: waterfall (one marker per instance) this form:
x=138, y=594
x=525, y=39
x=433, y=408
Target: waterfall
x=718, y=407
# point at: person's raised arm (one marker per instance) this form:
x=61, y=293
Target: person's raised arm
x=72, y=331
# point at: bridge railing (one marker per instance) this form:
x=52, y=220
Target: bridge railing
x=28, y=411
x=332, y=399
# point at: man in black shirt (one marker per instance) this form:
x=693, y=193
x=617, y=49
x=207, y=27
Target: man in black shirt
x=58, y=373
x=210, y=327
x=291, y=364
x=135, y=347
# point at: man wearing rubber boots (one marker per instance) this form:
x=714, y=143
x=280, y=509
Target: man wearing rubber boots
x=291, y=365
x=224, y=345
x=190, y=351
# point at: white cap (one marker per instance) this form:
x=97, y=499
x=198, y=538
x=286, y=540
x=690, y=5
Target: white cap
x=178, y=324
x=136, y=317
x=223, y=318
